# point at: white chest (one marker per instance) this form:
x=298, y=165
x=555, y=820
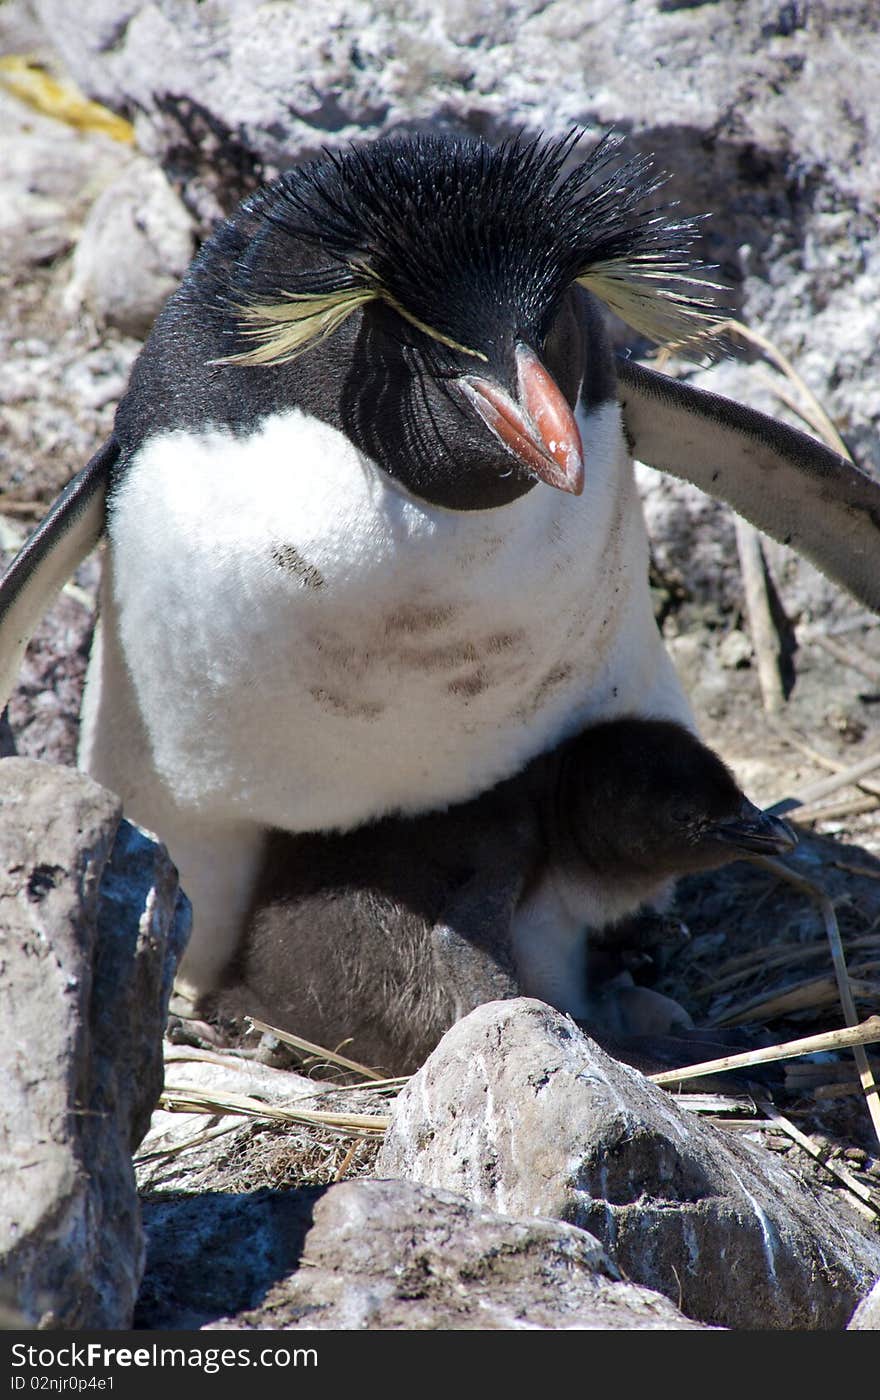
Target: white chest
x=311, y=647
x=549, y=931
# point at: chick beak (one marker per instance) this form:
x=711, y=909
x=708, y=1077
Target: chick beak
x=539, y=429
x=756, y=832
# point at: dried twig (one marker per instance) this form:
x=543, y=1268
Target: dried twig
x=864, y=871
x=808, y=807
x=309, y=1048
x=187, y=1099
x=762, y=628
x=230, y=1057
x=347, y=1159
x=743, y=1105
x=804, y=996
x=849, y=656
x=375, y=1086
x=824, y=787
x=850, y=1015
x=788, y=735
x=175, y=1149
x=864, y=1195
x=867, y=1033
x=832, y=811
x=763, y=960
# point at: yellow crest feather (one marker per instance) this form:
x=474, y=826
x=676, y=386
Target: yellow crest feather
x=284, y=329
x=661, y=302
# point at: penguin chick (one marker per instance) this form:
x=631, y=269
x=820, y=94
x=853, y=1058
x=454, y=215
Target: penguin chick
x=388, y=934
x=626, y=808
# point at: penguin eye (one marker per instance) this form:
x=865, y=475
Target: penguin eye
x=684, y=815
x=281, y=330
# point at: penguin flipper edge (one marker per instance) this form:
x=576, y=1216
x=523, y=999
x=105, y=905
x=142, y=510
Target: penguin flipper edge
x=785, y=482
x=69, y=531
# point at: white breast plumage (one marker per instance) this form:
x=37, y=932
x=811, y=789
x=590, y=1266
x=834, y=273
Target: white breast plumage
x=378, y=653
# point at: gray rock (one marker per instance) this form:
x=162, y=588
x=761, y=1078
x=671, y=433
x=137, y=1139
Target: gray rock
x=48, y=178
x=91, y=927
x=380, y=1254
x=383, y=1255
x=735, y=650
x=134, y=248
x=746, y=108
x=519, y=1111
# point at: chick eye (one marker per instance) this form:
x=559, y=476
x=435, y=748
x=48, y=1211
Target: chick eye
x=683, y=815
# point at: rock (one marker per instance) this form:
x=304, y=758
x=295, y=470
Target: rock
x=519, y=1111
x=48, y=178
x=92, y=926
x=134, y=248
x=866, y=1317
x=381, y=1255
x=735, y=651
x=746, y=109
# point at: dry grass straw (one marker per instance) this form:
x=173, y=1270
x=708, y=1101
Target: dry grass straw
x=810, y=994
x=198, y=1140
x=845, y=989
x=861, y=781
x=846, y=776
x=853, y=1037
x=205, y=1101
x=866, y=1033
x=822, y=990
x=718, y=1105
x=865, y=1197
x=360, y=1126
x=763, y=961
x=803, y=402
x=308, y=1047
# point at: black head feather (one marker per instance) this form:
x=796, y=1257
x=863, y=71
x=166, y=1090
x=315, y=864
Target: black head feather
x=472, y=243
x=401, y=266
x=645, y=795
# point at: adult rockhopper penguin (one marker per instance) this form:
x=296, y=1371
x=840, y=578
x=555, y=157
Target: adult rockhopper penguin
x=386, y=935
x=374, y=536
x=374, y=539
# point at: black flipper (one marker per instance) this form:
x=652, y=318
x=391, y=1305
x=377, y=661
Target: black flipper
x=72, y=527
x=783, y=481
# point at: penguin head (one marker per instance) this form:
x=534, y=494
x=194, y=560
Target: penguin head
x=427, y=295
x=648, y=796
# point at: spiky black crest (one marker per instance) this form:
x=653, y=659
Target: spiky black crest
x=436, y=227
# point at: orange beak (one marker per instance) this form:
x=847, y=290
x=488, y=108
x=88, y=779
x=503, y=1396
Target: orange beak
x=540, y=429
